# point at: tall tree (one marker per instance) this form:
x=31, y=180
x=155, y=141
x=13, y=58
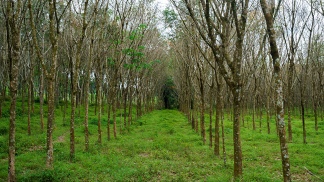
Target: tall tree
x=75, y=79
x=268, y=15
x=230, y=21
x=49, y=68
x=13, y=16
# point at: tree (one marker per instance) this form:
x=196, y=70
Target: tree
x=268, y=15
x=13, y=14
x=49, y=68
x=220, y=28
x=76, y=69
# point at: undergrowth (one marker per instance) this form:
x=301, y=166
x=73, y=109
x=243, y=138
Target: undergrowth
x=160, y=146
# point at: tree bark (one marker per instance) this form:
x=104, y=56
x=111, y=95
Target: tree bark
x=236, y=134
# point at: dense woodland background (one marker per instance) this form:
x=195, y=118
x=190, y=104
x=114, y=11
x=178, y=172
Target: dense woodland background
x=123, y=59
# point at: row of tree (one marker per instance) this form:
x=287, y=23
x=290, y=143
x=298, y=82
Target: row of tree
x=254, y=56
x=71, y=53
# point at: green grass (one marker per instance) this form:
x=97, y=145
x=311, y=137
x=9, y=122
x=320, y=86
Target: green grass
x=160, y=146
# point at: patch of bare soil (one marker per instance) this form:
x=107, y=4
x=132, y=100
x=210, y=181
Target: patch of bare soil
x=145, y=155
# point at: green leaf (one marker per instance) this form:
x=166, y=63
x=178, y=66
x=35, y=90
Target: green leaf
x=141, y=47
x=142, y=26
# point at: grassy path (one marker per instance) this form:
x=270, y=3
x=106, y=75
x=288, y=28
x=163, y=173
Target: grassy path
x=163, y=148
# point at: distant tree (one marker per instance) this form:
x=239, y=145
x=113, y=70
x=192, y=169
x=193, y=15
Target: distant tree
x=294, y=26
x=76, y=68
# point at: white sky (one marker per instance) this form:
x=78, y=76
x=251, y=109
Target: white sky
x=162, y=3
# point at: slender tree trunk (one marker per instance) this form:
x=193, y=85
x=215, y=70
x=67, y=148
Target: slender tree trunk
x=289, y=96
x=23, y=95
x=260, y=119
x=86, y=106
x=13, y=27
x=41, y=98
x=130, y=98
x=123, y=96
x=289, y=122
x=130, y=106
x=278, y=90
x=108, y=119
x=50, y=122
x=236, y=133
x=125, y=106
x=221, y=113
x=86, y=93
x=51, y=84
x=315, y=115
x=114, y=102
x=30, y=94
x=202, y=113
x=302, y=104
x=73, y=108
x=99, y=110
x=193, y=124
x=29, y=105
x=96, y=95
x=196, y=113
x=218, y=117
x=253, y=111
x=211, y=121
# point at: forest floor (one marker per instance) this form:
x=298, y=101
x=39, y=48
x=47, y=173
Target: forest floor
x=160, y=146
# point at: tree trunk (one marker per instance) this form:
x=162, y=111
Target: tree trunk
x=196, y=115
x=193, y=124
x=202, y=113
x=315, y=115
x=268, y=113
x=260, y=119
x=99, y=110
x=218, y=117
x=29, y=105
x=108, y=119
x=114, y=102
x=50, y=122
x=302, y=104
x=41, y=98
x=254, y=103
x=86, y=105
x=211, y=120
x=278, y=90
x=22, y=90
x=130, y=100
x=86, y=93
x=51, y=83
x=236, y=133
x=66, y=98
x=221, y=113
x=73, y=108
x=13, y=27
